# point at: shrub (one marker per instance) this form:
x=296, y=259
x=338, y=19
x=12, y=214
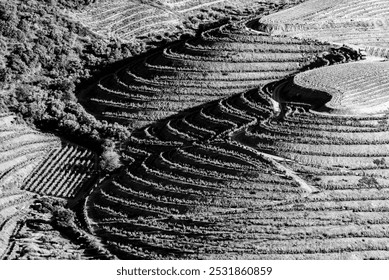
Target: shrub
x=110, y=161
x=369, y=181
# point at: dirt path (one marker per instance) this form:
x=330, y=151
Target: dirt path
x=289, y=172
x=275, y=160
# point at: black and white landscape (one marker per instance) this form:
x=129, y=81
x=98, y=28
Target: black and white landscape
x=194, y=129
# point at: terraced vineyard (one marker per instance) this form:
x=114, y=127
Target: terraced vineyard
x=347, y=132
x=181, y=194
x=63, y=172
x=40, y=163
x=254, y=139
x=236, y=179
x=221, y=62
x=129, y=19
x=34, y=162
x=353, y=88
x=183, y=6
x=13, y=208
x=21, y=149
x=352, y=22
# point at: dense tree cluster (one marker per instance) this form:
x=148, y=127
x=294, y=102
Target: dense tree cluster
x=74, y=4
x=40, y=45
x=64, y=117
x=43, y=56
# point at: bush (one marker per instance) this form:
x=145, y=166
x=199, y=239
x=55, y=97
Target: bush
x=63, y=217
x=368, y=181
x=110, y=161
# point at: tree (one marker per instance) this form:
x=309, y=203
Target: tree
x=63, y=217
x=110, y=161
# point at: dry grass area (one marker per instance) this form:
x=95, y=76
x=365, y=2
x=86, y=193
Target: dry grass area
x=352, y=22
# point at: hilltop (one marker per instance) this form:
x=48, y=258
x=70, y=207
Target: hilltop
x=353, y=88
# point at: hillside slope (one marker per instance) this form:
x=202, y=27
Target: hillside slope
x=41, y=163
x=128, y=19
x=222, y=61
x=186, y=192
x=33, y=164
x=235, y=179
x=233, y=154
x=353, y=22
x=21, y=150
x=353, y=88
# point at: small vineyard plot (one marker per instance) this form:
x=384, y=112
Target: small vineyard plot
x=21, y=149
x=63, y=172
